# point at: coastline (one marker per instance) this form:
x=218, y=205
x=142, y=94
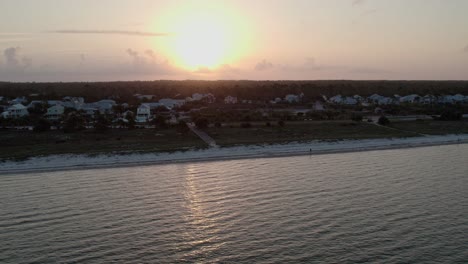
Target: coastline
x=83, y=162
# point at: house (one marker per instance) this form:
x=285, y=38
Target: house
x=73, y=102
x=90, y=111
x=107, y=101
x=230, y=100
x=428, y=99
x=143, y=113
x=276, y=100
x=55, y=112
x=209, y=98
x=53, y=102
x=171, y=103
x=411, y=99
x=380, y=100
x=103, y=106
x=18, y=100
x=318, y=106
x=292, y=98
x=127, y=114
x=144, y=96
x=35, y=103
x=339, y=99
x=16, y=111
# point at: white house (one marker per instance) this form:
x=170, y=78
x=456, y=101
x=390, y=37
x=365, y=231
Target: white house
x=16, y=111
x=230, y=100
x=293, y=98
x=55, y=112
x=380, y=100
x=143, y=113
x=209, y=98
x=428, y=99
x=339, y=99
x=412, y=98
x=171, y=103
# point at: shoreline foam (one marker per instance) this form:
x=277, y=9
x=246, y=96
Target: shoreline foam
x=83, y=162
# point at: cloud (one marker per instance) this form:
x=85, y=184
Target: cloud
x=11, y=56
x=264, y=65
x=13, y=59
x=111, y=32
x=358, y=2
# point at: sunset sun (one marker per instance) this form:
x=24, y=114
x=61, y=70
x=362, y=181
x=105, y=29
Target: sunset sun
x=201, y=42
x=206, y=38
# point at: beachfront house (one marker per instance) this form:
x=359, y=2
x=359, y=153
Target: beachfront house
x=143, y=113
x=55, y=112
x=16, y=111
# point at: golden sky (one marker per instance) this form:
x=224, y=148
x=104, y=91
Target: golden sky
x=87, y=40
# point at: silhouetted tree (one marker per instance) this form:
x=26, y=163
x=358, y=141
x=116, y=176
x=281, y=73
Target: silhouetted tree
x=102, y=123
x=42, y=125
x=383, y=121
x=74, y=122
x=202, y=123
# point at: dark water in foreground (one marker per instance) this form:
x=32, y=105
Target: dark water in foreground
x=394, y=206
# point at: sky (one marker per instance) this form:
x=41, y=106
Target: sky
x=111, y=40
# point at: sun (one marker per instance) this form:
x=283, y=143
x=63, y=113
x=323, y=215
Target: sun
x=205, y=38
x=201, y=42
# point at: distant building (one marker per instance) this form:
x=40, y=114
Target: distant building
x=292, y=98
x=209, y=98
x=412, y=98
x=143, y=113
x=230, y=100
x=16, y=111
x=171, y=103
x=55, y=112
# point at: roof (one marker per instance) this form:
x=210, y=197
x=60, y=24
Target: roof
x=18, y=107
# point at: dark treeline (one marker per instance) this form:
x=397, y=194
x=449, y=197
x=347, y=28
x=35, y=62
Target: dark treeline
x=253, y=90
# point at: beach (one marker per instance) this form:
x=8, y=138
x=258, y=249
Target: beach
x=75, y=162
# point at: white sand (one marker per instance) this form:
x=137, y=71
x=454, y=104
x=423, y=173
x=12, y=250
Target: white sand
x=67, y=162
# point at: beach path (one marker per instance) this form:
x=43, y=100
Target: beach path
x=202, y=135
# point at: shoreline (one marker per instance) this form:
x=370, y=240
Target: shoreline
x=82, y=162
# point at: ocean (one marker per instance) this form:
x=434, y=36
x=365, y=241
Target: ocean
x=386, y=206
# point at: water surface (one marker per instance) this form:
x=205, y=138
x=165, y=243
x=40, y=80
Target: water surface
x=392, y=206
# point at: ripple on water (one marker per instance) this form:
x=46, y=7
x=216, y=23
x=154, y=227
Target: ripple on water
x=380, y=206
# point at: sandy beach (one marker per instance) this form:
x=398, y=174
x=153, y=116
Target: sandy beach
x=75, y=162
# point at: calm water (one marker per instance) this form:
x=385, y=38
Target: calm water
x=395, y=206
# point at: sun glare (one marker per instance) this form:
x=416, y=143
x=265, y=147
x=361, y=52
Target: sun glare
x=206, y=38
x=201, y=42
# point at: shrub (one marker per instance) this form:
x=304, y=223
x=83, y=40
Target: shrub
x=450, y=115
x=160, y=121
x=202, y=123
x=182, y=127
x=383, y=121
x=357, y=117
x=42, y=125
x=246, y=125
x=74, y=122
x=102, y=123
